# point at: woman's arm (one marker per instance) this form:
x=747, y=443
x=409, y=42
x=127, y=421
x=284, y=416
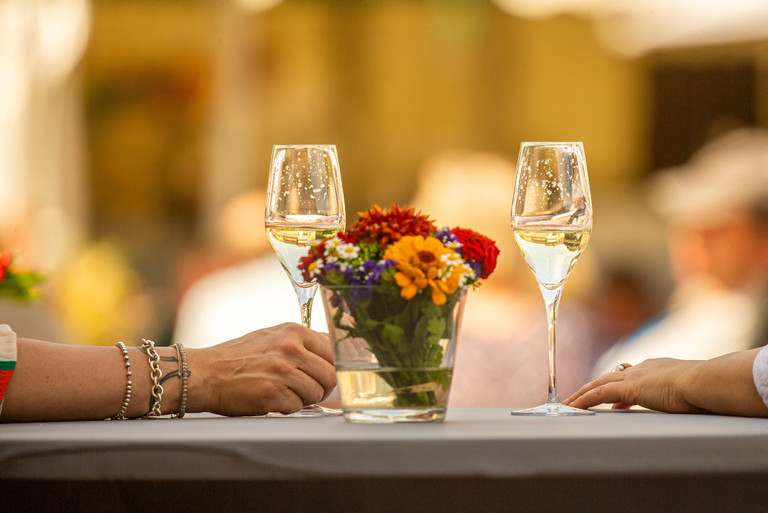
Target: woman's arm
x=721, y=385
x=67, y=382
x=276, y=369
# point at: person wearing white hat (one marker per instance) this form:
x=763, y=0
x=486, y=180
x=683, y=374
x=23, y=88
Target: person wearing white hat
x=716, y=207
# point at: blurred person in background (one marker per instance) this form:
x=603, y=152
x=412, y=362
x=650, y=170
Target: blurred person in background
x=248, y=291
x=716, y=207
x=501, y=358
x=621, y=304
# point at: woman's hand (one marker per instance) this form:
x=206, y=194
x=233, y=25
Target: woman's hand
x=276, y=369
x=721, y=385
x=657, y=384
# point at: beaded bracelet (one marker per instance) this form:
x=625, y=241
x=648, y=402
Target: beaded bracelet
x=156, y=374
x=124, y=351
x=184, y=380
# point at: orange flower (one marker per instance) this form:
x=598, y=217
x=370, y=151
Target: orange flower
x=425, y=262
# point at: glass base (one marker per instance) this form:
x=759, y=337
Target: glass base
x=394, y=415
x=313, y=410
x=552, y=410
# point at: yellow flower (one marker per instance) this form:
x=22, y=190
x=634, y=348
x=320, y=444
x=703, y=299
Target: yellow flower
x=423, y=262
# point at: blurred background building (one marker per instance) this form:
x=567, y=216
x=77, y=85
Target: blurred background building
x=127, y=127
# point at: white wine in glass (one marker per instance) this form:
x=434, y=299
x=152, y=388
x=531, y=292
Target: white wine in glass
x=552, y=222
x=305, y=205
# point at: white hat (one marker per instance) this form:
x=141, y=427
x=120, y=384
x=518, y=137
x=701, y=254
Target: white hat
x=727, y=174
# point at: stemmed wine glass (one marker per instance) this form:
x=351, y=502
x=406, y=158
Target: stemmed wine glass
x=552, y=222
x=305, y=204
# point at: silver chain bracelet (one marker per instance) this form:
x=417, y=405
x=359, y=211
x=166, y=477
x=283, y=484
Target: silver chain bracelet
x=156, y=374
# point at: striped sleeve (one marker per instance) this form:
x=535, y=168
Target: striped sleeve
x=760, y=373
x=7, y=358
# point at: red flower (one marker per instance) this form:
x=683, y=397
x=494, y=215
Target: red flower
x=347, y=237
x=387, y=226
x=5, y=263
x=478, y=248
x=305, y=262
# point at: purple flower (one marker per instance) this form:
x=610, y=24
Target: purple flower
x=373, y=269
x=360, y=293
x=330, y=267
x=476, y=266
x=448, y=239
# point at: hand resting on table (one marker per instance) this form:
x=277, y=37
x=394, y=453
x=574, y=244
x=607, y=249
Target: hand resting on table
x=277, y=369
x=721, y=385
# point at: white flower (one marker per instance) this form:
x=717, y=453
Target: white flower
x=454, y=245
x=467, y=276
x=347, y=251
x=452, y=259
x=315, y=268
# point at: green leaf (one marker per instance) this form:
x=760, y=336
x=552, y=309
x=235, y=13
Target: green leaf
x=393, y=332
x=420, y=332
x=429, y=309
x=436, y=327
x=21, y=286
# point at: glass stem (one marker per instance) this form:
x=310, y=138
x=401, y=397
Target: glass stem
x=552, y=302
x=305, y=295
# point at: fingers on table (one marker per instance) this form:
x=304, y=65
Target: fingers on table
x=607, y=389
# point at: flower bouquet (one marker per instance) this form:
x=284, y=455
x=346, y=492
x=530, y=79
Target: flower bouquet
x=394, y=287
x=15, y=284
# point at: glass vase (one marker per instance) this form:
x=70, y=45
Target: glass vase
x=394, y=356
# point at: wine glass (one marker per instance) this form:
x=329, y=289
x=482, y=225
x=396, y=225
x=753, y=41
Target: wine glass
x=305, y=205
x=552, y=222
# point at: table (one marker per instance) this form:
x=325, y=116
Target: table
x=477, y=460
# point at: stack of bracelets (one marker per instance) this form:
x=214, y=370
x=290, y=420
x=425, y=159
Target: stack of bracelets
x=156, y=402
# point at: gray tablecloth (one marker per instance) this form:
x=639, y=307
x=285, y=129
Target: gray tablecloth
x=484, y=443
